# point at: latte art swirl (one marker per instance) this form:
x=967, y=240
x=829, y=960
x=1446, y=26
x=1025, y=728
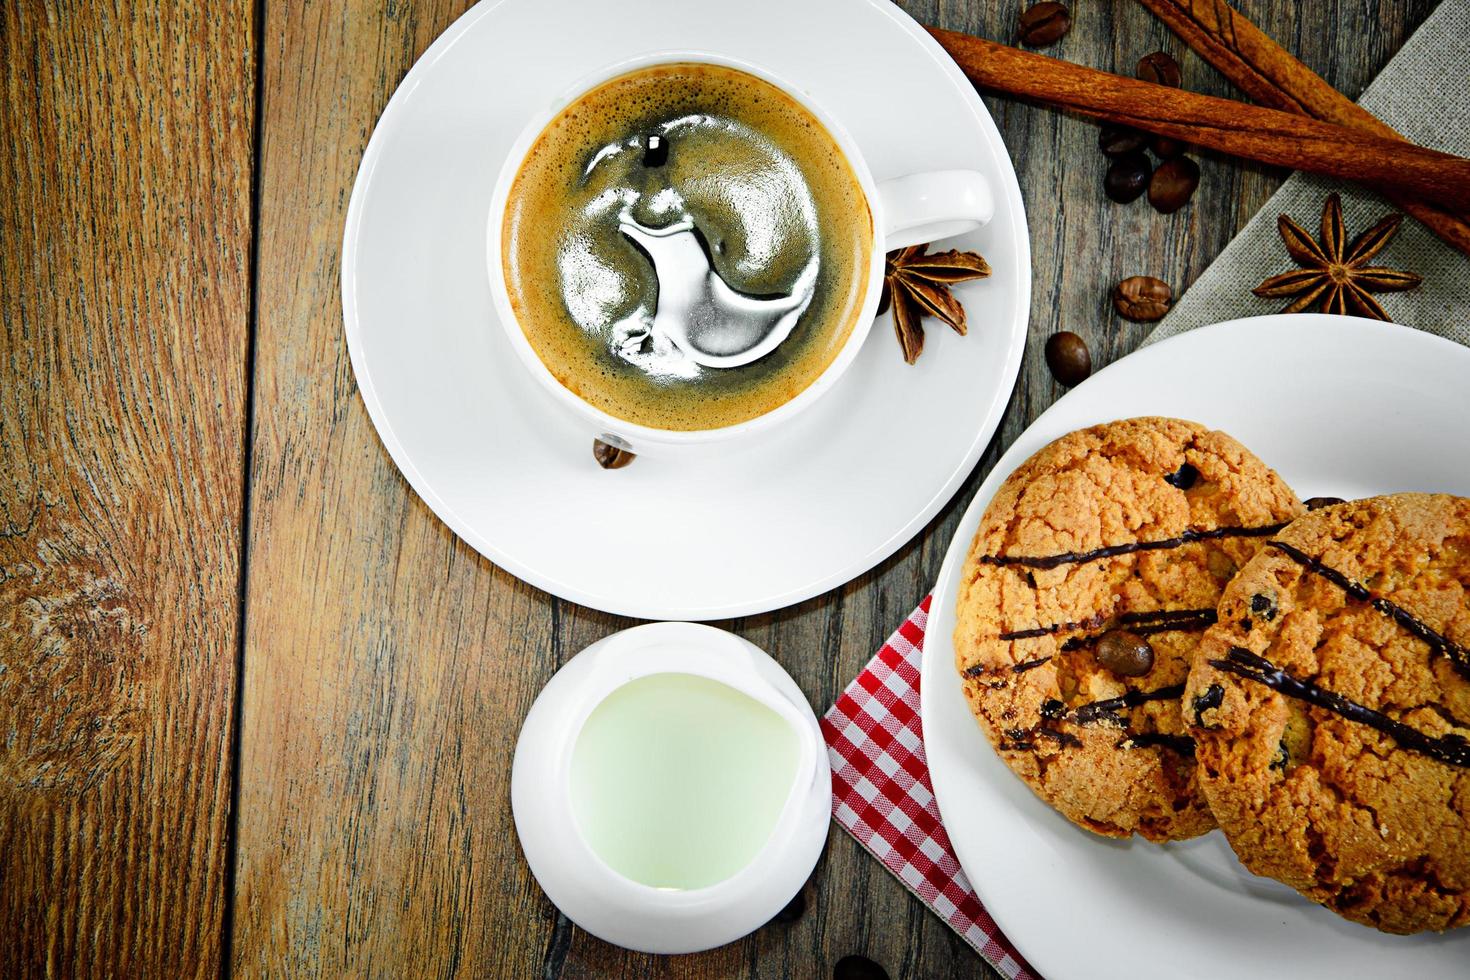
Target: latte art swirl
x=686, y=247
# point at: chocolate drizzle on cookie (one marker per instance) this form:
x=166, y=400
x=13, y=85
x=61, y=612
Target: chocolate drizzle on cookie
x=1182, y=744
x=1091, y=622
x=1452, y=749
x=1114, y=550
x=1108, y=708
x=1149, y=623
x=1054, y=711
x=1458, y=656
x=1025, y=738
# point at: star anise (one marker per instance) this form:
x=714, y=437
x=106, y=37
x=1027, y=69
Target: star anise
x=916, y=284
x=1338, y=279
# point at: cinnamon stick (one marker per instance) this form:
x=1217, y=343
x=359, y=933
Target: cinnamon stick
x=1252, y=132
x=1270, y=75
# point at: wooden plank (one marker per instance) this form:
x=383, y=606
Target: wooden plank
x=124, y=253
x=388, y=667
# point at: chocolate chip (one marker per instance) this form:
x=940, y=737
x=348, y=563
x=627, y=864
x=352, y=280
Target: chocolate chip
x=1124, y=653
x=1264, y=606
x=1317, y=503
x=1052, y=709
x=793, y=909
x=611, y=457
x=1142, y=299
x=1044, y=23
x=1173, y=184
x=1282, y=758
x=1068, y=358
x=1127, y=178
x=1213, y=697
x=1165, y=147
x=1184, y=477
x=858, y=968
x=1159, y=68
x=1246, y=624
x=655, y=151
x=1117, y=141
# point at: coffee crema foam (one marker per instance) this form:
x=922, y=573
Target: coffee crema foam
x=776, y=208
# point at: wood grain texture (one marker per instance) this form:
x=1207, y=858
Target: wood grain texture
x=388, y=667
x=124, y=257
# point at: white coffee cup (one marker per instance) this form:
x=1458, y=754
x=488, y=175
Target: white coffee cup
x=907, y=210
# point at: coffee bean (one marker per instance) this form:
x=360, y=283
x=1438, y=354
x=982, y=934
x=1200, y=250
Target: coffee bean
x=1068, y=358
x=1317, y=503
x=1117, y=141
x=1125, y=654
x=655, y=151
x=1142, y=299
x=1173, y=184
x=611, y=457
x=1044, y=23
x=793, y=909
x=1127, y=178
x=1159, y=68
x=1164, y=147
x=858, y=968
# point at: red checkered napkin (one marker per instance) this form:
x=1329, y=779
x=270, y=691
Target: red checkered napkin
x=882, y=796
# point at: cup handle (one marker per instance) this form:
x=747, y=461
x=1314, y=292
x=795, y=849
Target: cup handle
x=926, y=207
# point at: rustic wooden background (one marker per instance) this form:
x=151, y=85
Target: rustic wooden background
x=257, y=705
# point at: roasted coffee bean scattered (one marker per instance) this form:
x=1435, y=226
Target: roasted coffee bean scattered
x=611, y=457
x=1173, y=184
x=1125, y=654
x=793, y=909
x=1165, y=148
x=1159, y=68
x=1142, y=299
x=1184, y=477
x=1068, y=358
x=1044, y=23
x=1117, y=141
x=858, y=968
x=655, y=151
x=1317, y=503
x=1127, y=178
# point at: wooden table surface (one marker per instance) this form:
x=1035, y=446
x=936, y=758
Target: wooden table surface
x=257, y=704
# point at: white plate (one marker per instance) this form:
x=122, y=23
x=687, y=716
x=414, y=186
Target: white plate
x=830, y=495
x=1340, y=407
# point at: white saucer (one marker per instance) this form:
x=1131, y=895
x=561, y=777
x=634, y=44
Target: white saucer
x=830, y=495
x=1340, y=407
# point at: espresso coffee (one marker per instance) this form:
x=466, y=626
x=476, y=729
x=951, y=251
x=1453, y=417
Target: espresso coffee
x=686, y=247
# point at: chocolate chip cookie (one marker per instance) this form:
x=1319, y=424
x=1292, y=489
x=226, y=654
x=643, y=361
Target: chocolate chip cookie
x=1095, y=569
x=1331, y=707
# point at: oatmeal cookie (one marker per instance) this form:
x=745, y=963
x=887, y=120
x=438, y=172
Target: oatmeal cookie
x=1094, y=571
x=1331, y=707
